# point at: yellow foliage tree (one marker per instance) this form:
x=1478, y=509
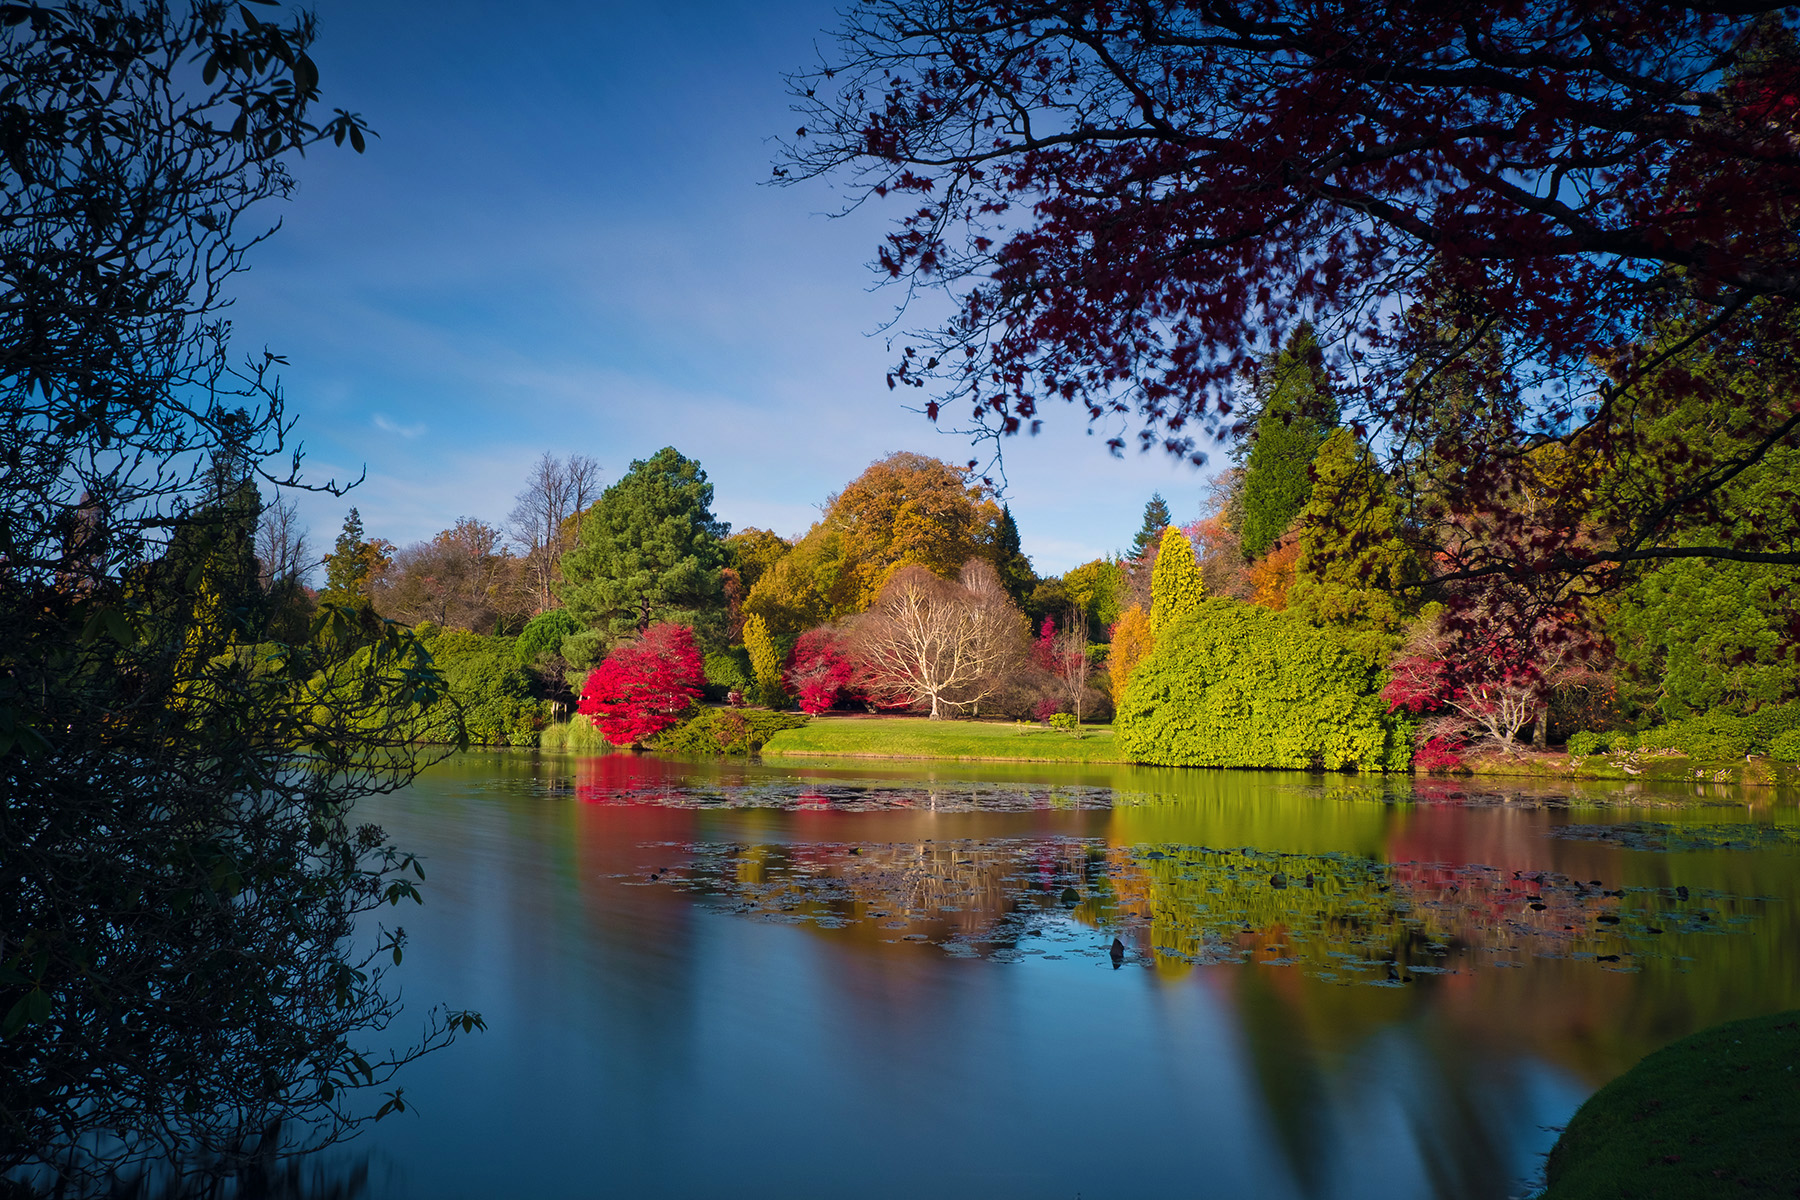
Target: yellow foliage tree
x=765, y=659
x=1176, y=588
x=906, y=508
x=1131, y=641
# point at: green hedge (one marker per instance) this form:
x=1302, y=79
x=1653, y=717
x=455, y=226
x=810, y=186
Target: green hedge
x=1710, y=737
x=1236, y=685
x=727, y=731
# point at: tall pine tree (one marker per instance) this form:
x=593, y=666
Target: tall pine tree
x=1010, y=563
x=1156, y=519
x=1298, y=410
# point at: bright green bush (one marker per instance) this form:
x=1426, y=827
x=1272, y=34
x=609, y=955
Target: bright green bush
x=728, y=671
x=1063, y=720
x=1236, y=685
x=1585, y=743
x=544, y=634
x=727, y=731
x=1720, y=736
x=1786, y=747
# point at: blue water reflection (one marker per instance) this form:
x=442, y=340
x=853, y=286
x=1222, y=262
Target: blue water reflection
x=667, y=1037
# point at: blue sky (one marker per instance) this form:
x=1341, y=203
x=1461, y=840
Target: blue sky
x=560, y=242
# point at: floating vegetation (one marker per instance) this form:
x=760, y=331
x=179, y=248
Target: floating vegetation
x=1649, y=835
x=1337, y=916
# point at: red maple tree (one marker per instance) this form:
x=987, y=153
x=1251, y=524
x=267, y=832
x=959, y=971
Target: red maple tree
x=645, y=686
x=821, y=671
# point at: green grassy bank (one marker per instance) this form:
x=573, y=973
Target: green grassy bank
x=1647, y=766
x=1713, y=1115
x=921, y=737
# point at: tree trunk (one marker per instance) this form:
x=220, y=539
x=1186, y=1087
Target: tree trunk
x=1540, y=729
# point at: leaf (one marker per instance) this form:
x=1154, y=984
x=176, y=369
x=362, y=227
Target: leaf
x=33, y=1008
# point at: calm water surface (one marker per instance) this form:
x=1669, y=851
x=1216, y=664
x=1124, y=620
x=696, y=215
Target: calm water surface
x=744, y=980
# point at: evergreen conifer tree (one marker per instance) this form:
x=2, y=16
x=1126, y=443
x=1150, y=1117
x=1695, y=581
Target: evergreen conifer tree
x=1353, y=565
x=1176, y=588
x=348, y=566
x=1298, y=411
x=1010, y=563
x=1156, y=519
x=765, y=660
x=650, y=550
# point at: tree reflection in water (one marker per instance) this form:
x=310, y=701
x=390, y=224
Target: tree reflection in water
x=1352, y=980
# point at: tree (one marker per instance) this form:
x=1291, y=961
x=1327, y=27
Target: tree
x=1062, y=654
x=556, y=492
x=822, y=673
x=645, y=686
x=281, y=546
x=932, y=642
x=752, y=551
x=192, y=968
x=1120, y=199
x=1156, y=519
x=650, y=550
x=905, y=508
x=461, y=579
x=1008, y=556
x=765, y=660
x=1131, y=641
x=1217, y=544
x=1176, y=589
x=1297, y=412
x=543, y=518
x=1486, y=672
x=1095, y=587
x=355, y=566
x=1352, y=566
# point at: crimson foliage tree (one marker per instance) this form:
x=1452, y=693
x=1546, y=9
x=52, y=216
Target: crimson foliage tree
x=646, y=686
x=1488, y=206
x=821, y=671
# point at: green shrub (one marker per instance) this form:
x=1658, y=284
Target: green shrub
x=1720, y=736
x=544, y=634
x=1063, y=720
x=499, y=705
x=728, y=671
x=727, y=731
x=1609, y=741
x=1585, y=743
x=1236, y=685
x=1786, y=747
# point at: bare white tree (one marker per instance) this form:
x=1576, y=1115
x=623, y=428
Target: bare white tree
x=281, y=548
x=556, y=491
x=932, y=642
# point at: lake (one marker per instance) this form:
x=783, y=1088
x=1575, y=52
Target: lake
x=901, y=980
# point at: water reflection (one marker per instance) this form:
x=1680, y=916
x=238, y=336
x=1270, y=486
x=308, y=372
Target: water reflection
x=731, y=979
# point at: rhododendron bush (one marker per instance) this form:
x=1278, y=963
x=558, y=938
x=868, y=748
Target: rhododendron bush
x=646, y=686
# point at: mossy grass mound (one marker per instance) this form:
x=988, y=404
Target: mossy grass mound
x=1715, y=1114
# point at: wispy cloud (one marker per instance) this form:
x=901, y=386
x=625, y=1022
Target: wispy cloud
x=398, y=430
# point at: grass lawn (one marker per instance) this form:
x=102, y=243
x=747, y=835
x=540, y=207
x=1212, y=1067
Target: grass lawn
x=921, y=737
x=1715, y=1114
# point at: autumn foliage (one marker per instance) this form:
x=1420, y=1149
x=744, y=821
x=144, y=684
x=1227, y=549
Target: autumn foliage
x=821, y=674
x=646, y=686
